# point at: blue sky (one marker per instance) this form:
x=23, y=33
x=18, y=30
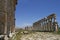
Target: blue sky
x=29, y=11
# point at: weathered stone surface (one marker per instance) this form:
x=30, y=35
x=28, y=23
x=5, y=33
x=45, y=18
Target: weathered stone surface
x=40, y=36
x=7, y=16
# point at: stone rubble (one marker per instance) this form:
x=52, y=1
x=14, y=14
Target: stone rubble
x=40, y=36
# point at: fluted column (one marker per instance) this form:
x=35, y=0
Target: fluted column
x=5, y=30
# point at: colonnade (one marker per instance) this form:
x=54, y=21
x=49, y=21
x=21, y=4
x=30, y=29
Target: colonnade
x=46, y=24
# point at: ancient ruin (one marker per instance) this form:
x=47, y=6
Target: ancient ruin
x=48, y=23
x=7, y=16
x=28, y=28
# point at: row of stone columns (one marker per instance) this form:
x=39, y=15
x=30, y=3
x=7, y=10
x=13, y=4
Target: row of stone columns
x=7, y=16
x=46, y=24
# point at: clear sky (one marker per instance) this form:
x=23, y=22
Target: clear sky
x=29, y=11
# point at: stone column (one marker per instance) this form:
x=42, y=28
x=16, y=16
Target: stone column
x=5, y=31
x=55, y=24
x=56, y=27
x=51, y=24
x=44, y=24
x=5, y=25
x=40, y=27
x=47, y=25
x=54, y=19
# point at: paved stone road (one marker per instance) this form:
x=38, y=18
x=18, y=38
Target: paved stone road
x=40, y=36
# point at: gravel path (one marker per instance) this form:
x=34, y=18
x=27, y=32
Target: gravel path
x=40, y=36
